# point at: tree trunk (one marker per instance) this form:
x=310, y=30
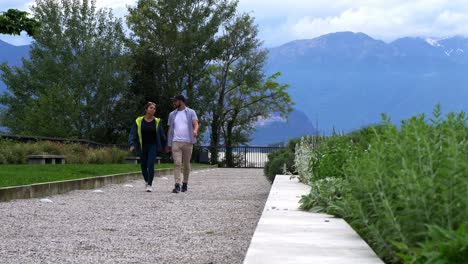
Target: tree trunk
x=229, y=146
x=214, y=142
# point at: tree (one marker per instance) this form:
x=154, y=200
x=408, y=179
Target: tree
x=242, y=94
x=172, y=44
x=14, y=21
x=75, y=78
x=247, y=105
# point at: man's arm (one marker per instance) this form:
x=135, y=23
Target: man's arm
x=194, y=123
x=168, y=147
x=195, y=127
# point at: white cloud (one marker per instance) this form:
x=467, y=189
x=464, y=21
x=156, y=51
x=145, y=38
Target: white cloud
x=19, y=4
x=387, y=20
x=283, y=21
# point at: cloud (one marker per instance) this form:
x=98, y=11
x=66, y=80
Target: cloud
x=386, y=20
x=18, y=4
x=283, y=21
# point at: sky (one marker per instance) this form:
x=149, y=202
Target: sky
x=281, y=21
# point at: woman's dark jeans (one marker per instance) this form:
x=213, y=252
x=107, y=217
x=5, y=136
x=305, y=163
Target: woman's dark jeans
x=147, y=158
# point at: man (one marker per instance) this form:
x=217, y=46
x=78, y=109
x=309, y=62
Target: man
x=183, y=130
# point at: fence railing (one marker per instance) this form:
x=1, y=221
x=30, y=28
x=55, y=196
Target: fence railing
x=243, y=156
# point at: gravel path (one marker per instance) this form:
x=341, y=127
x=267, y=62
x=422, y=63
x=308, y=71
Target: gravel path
x=212, y=223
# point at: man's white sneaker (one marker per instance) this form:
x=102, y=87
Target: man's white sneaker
x=149, y=188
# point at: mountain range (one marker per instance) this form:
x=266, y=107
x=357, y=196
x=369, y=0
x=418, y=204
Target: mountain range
x=342, y=81
x=345, y=80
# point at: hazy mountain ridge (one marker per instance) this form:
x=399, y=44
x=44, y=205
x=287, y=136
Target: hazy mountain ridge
x=345, y=80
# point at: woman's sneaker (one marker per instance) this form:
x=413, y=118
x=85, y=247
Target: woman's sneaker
x=184, y=187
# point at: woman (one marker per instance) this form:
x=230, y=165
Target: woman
x=147, y=137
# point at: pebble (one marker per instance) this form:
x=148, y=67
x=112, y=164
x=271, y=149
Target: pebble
x=220, y=211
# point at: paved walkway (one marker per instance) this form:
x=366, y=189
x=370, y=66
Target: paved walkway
x=287, y=235
x=212, y=223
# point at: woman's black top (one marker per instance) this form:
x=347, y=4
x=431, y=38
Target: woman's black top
x=148, y=131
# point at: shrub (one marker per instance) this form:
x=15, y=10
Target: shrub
x=412, y=177
x=324, y=195
x=238, y=161
x=76, y=153
x=116, y=155
x=402, y=189
x=13, y=153
x=16, y=153
x=304, y=156
x=442, y=246
x=276, y=161
x=45, y=147
x=330, y=157
x=3, y=160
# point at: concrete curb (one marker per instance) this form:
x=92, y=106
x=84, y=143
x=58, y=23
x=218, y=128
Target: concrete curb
x=285, y=234
x=58, y=187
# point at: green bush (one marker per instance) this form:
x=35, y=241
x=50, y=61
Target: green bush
x=44, y=147
x=12, y=152
x=324, y=195
x=411, y=178
x=362, y=137
x=330, y=157
x=442, y=246
x=76, y=153
x=105, y=155
x=305, y=155
x=3, y=160
x=404, y=189
x=276, y=161
x=117, y=155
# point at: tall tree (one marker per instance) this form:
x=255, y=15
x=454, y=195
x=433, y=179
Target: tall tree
x=249, y=103
x=75, y=77
x=237, y=85
x=172, y=44
x=14, y=21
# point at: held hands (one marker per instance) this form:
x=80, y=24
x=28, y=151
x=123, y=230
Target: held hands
x=168, y=149
x=132, y=148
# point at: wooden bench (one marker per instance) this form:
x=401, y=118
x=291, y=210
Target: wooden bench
x=46, y=159
x=136, y=160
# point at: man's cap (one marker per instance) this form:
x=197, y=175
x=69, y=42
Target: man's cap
x=179, y=97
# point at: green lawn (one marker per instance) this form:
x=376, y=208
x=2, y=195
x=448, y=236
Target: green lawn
x=14, y=175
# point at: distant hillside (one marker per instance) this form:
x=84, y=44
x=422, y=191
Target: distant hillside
x=297, y=125
x=345, y=80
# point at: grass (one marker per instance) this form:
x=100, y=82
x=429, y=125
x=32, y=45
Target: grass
x=24, y=174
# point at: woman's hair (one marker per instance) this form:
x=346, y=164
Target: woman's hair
x=148, y=104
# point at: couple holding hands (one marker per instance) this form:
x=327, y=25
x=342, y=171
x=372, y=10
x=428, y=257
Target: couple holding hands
x=147, y=138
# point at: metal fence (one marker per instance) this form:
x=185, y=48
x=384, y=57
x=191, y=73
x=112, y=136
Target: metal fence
x=243, y=156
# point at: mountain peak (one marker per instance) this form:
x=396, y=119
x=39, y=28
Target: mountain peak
x=346, y=35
